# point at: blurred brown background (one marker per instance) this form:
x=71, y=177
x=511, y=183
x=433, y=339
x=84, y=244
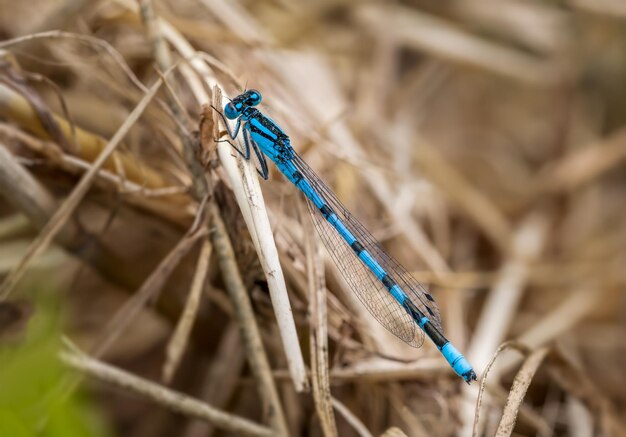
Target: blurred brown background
x=480, y=141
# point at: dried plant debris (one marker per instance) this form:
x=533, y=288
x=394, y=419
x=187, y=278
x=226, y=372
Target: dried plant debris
x=481, y=142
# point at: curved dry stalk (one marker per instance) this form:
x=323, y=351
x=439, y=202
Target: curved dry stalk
x=172, y=400
x=504, y=299
x=518, y=391
x=483, y=378
x=91, y=40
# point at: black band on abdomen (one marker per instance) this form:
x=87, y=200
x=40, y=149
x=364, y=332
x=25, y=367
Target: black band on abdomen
x=357, y=247
x=434, y=334
x=326, y=211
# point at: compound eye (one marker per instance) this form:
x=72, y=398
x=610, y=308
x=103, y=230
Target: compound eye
x=254, y=97
x=230, y=111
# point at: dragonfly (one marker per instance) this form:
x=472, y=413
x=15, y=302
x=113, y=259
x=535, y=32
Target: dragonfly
x=389, y=292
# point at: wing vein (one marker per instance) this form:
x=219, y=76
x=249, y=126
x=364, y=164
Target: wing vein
x=370, y=291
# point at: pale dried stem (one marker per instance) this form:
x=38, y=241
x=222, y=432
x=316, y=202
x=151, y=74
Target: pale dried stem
x=247, y=323
x=254, y=211
x=378, y=369
x=234, y=283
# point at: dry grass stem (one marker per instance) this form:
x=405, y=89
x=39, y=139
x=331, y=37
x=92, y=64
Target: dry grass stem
x=481, y=142
x=221, y=379
x=518, y=391
x=23, y=191
x=247, y=324
x=354, y=421
x=226, y=260
x=149, y=290
x=167, y=398
x=318, y=335
x=250, y=200
x=234, y=285
x=180, y=338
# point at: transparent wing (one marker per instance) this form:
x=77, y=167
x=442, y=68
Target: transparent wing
x=370, y=291
x=366, y=286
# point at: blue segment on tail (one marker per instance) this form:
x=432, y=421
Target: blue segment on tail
x=375, y=271
x=458, y=362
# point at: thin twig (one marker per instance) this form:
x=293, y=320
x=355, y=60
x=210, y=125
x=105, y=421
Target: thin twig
x=56, y=222
x=169, y=399
x=22, y=191
x=354, y=421
x=178, y=343
x=98, y=42
x=148, y=290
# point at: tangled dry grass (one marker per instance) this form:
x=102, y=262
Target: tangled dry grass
x=482, y=143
